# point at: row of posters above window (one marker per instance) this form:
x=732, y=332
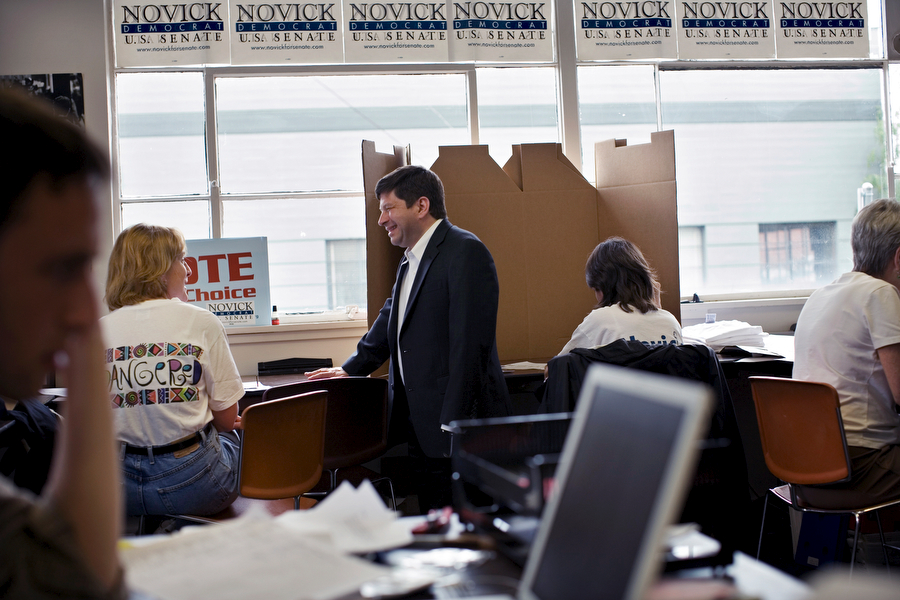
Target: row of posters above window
x=240, y=33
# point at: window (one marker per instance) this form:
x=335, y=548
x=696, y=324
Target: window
x=346, y=272
x=772, y=145
x=770, y=155
x=798, y=253
x=691, y=265
x=516, y=106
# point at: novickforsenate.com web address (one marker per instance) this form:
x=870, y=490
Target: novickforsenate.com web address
x=396, y=45
x=732, y=43
x=501, y=45
x=290, y=47
x=172, y=48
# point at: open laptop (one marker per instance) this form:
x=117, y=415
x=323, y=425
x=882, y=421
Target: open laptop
x=624, y=470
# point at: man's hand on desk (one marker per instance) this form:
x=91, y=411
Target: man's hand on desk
x=327, y=373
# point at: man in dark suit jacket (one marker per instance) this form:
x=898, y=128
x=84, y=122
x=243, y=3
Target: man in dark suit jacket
x=438, y=328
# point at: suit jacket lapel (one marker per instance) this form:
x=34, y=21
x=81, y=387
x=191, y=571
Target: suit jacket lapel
x=395, y=299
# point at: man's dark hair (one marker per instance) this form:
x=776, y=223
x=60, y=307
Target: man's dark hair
x=40, y=144
x=410, y=183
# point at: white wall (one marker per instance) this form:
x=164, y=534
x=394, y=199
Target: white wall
x=335, y=340
x=64, y=36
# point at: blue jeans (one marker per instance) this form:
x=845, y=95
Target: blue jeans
x=201, y=483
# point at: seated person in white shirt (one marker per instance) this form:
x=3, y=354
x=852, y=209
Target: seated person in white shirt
x=848, y=335
x=627, y=300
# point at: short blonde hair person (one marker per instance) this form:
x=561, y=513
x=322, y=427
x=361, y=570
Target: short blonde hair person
x=140, y=259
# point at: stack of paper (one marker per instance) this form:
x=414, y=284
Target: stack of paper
x=301, y=555
x=724, y=333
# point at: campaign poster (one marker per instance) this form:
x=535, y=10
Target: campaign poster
x=726, y=30
x=625, y=30
x=395, y=32
x=230, y=278
x=822, y=29
x=157, y=35
x=268, y=34
x=501, y=31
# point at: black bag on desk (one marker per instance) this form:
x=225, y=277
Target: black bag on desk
x=26, y=446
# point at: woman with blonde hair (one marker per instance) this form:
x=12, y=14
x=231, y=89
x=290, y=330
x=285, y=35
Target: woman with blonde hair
x=172, y=381
x=627, y=294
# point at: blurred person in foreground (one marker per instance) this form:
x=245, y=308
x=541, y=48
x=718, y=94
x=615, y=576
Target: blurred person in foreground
x=848, y=335
x=627, y=294
x=173, y=383
x=63, y=542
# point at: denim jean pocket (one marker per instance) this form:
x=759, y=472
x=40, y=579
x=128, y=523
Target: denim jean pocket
x=207, y=488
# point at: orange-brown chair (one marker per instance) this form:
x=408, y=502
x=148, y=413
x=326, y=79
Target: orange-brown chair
x=282, y=452
x=803, y=442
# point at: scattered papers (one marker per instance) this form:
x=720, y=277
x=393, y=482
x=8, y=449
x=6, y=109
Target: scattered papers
x=724, y=333
x=524, y=366
x=253, y=385
x=299, y=555
x=351, y=520
x=248, y=557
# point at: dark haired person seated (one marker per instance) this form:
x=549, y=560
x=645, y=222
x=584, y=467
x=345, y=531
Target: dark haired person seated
x=848, y=335
x=63, y=542
x=627, y=300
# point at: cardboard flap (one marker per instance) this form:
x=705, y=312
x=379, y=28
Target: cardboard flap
x=513, y=166
x=470, y=169
x=382, y=258
x=647, y=215
x=618, y=164
x=544, y=167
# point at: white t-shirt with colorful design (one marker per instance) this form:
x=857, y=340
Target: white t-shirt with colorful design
x=169, y=366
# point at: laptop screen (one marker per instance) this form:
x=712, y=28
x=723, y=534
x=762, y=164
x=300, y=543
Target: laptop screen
x=630, y=451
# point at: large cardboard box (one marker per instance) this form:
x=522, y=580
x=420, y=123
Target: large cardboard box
x=540, y=218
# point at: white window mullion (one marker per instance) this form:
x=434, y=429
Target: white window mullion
x=215, y=197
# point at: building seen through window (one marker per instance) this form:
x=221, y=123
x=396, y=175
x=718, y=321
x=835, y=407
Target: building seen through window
x=797, y=253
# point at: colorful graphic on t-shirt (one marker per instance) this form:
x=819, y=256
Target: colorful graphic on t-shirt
x=153, y=373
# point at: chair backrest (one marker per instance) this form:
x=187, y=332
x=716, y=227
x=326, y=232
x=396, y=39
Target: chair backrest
x=801, y=430
x=283, y=445
x=357, y=425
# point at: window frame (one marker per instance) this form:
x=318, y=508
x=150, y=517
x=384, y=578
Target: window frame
x=569, y=135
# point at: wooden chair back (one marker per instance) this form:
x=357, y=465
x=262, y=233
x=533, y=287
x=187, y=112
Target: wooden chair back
x=283, y=446
x=801, y=430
